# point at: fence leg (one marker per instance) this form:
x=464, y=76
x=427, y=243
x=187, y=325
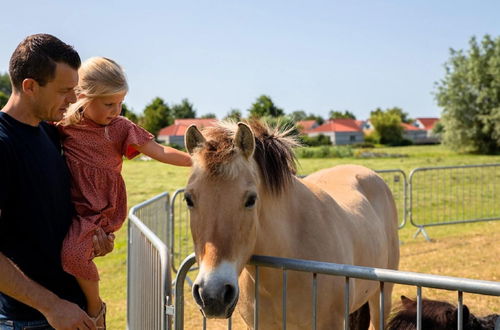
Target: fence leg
x=424, y=233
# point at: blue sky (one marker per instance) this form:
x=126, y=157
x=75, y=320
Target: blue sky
x=306, y=55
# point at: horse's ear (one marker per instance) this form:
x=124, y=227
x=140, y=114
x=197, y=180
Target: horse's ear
x=406, y=301
x=193, y=138
x=244, y=140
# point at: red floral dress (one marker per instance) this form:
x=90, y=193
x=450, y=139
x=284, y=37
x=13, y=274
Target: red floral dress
x=94, y=154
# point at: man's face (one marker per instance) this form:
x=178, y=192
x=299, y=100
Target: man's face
x=53, y=98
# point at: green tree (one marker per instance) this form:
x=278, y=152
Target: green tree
x=209, y=115
x=341, y=115
x=298, y=115
x=396, y=111
x=317, y=118
x=387, y=126
x=157, y=115
x=126, y=112
x=183, y=110
x=3, y=99
x=234, y=115
x=5, y=86
x=264, y=106
x=469, y=95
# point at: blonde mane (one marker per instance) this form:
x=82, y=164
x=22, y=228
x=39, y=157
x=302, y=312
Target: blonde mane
x=273, y=153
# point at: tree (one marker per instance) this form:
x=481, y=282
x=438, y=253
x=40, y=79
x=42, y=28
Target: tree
x=317, y=118
x=298, y=115
x=341, y=115
x=183, y=110
x=5, y=86
x=264, y=106
x=209, y=115
x=234, y=115
x=396, y=111
x=387, y=126
x=469, y=95
x=3, y=99
x=126, y=112
x=157, y=115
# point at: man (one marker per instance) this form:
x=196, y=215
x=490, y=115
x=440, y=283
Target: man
x=35, y=205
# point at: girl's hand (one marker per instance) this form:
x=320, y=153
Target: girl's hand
x=164, y=154
x=103, y=244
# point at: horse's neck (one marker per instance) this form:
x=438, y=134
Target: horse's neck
x=281, y=216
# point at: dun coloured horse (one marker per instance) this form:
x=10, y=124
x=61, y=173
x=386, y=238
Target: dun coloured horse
x=439, y=315
x=245, y=199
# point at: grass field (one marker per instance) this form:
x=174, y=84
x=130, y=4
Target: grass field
x=467, y=250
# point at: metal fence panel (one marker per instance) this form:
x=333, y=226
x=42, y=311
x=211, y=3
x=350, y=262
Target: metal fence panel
x=419, y=280
x=148, y=270
x=396, y=180
x=454, y=194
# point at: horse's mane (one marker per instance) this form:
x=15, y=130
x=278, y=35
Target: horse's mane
x=273, y=152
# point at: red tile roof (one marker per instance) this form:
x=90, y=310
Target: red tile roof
x=305, y=125
x=180, y=126
x=428, y=122
x=410, y=127
x=338, y=125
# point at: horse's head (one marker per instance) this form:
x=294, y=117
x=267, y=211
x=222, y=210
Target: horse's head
x=224, y=195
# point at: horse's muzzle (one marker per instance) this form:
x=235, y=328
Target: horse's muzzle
x=216, y=302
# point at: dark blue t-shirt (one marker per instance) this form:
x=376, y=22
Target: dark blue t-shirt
x=35, y=210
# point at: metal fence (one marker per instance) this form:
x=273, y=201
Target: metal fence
x=148, y=269
x=453, y=194
x=349, y=272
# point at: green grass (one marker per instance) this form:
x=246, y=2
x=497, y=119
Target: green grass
x=472, y=245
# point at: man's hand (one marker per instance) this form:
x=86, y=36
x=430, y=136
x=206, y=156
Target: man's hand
x=67, y=316
x=103, y=244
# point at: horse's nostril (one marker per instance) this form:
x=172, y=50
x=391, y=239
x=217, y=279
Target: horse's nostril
x=229, y=294
x=197, y=295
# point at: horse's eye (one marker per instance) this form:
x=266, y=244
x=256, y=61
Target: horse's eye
x=250, y=201
x=189, y=201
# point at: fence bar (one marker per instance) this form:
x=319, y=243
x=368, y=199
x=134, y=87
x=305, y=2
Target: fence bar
x=419, y=308
x=460, y=310
x=346, y=303
x=382, y=304
x=315, y=301
x=256, y=303
x=381, y=275
x=283, y=299
x=179, y=291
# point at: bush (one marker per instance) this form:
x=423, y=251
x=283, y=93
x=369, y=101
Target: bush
x=325, y=152
x=320, y=140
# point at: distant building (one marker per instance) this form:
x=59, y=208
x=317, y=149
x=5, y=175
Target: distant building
x=340, y=131
x=306, y=125
x=414, y=134
x=174, y=134
x=427, y=124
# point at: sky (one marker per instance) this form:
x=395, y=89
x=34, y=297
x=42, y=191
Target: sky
x=313, y=55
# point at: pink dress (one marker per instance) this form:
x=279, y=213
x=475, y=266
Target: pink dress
x=94, y=154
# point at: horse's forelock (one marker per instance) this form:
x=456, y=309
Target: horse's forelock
x=273, y=153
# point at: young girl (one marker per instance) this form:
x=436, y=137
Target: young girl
x=95, y=139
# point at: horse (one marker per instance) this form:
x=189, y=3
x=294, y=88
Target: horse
x=439, y=315
x=244, y=198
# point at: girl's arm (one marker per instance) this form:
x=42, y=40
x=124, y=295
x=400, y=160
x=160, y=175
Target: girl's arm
x=167, y=155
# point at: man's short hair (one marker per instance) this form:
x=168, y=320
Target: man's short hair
x=36, y=57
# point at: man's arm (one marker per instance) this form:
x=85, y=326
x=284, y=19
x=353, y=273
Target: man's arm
x=61, y=314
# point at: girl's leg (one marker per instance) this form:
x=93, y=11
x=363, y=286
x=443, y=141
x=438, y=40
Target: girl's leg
x=91, y=291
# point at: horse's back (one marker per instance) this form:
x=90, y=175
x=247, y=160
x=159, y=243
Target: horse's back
x=367, y=207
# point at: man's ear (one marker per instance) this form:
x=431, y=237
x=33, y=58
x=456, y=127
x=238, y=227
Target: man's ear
x=29, y=86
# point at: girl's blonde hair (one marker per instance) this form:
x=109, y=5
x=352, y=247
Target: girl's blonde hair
x=98, y=76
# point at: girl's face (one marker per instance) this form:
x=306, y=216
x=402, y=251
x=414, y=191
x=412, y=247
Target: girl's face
x=102, y=110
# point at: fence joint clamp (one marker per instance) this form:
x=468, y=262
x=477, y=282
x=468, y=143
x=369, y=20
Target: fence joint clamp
x=170, y=310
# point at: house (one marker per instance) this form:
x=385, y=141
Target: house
x=414, y=134
x=427, y=124
x=305, y=125
x=340, y=131
x=174, y=134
